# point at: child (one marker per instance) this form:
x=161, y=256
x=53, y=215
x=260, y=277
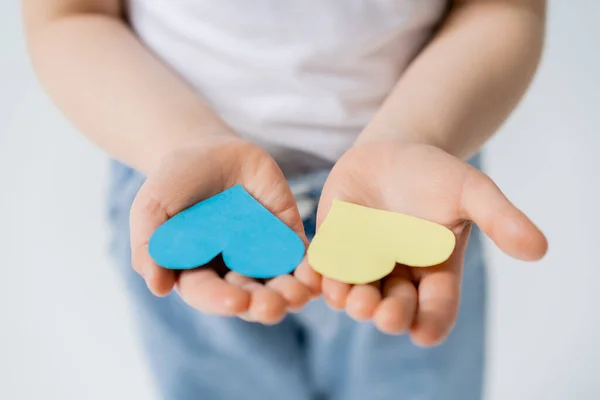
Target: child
x=390, y=96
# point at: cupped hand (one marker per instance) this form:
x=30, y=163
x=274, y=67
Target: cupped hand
x=187, y=176
x=425, y=182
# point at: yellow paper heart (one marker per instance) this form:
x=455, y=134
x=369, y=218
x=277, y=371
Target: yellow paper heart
x=357, y=244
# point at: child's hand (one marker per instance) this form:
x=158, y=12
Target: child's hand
x=426, y=182
x=190, y=175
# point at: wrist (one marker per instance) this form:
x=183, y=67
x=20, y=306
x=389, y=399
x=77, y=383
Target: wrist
x=173, y=144
x=375, y=134
x=407, y=137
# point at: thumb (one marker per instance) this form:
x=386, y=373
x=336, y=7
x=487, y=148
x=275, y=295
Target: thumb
x=265, y=181
x=508, y=227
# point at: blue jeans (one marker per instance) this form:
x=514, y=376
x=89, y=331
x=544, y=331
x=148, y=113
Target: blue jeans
x=315, y=354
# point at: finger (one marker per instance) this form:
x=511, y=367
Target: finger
x=160, y=281
x=266, y=306
x=239, y=280
x=309, y=277
x=335, y=292
x=510, y=229
x=146, y=215
x=362, y=301
x=291, y=290
x=276, y=196
x=204, y=290
x=438, y=296
x=396, y=312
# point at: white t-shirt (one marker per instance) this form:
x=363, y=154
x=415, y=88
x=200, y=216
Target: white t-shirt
x=300, y=77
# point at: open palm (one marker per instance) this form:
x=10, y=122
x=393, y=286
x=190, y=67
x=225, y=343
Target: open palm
x=425, y=182
x=191, y=175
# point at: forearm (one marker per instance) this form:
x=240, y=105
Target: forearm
x=466, y=82
x=115, y=91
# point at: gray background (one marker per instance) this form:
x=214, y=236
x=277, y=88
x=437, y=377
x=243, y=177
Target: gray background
x=65, y=328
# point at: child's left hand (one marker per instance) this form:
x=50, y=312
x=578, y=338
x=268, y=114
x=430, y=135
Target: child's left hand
x=426, y=182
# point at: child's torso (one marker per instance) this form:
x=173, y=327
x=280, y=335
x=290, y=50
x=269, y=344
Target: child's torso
x=305, y=75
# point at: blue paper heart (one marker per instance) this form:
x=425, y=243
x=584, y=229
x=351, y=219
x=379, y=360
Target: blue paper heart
x=253, y=241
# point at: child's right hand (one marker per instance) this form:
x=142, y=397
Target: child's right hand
x=187, y=176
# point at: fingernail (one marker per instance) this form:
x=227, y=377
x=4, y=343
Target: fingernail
x=245, y=316
x=148, y=275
